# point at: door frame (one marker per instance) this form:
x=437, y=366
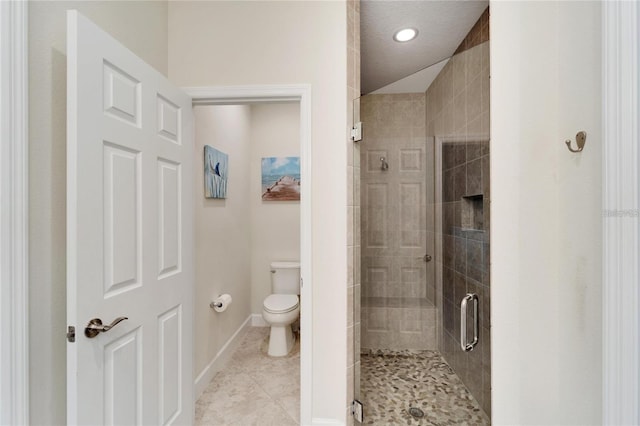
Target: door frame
x=301, y=93
x=620, y=204
x=14, y=214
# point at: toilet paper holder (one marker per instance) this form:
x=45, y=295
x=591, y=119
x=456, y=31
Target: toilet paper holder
x=221, y=303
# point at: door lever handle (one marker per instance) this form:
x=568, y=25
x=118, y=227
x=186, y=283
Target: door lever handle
x=96, y=327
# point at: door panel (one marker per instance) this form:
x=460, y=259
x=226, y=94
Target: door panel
x=122, y=231
x=170, y=336
x=129, y=236
x=168, y=120
x=169, y=182
x=123, y=380
x=121, y=95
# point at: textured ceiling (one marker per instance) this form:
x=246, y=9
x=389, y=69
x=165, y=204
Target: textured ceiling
x=441, y=26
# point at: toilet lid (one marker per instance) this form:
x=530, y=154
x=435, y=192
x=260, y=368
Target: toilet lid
x=281, y=303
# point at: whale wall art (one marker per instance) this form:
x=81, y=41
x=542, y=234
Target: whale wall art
x=281, y=179
x=216, y=171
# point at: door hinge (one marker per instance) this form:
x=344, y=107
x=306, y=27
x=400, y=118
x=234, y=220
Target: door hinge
x=71, y=334
x=356, y=132
x=357, y=410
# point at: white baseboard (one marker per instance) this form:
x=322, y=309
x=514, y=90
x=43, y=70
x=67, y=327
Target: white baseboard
x=258, y=321
x=221, y=359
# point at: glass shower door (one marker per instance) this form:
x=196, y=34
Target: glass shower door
x=355, y=256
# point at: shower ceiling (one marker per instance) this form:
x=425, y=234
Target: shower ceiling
x=441, y=26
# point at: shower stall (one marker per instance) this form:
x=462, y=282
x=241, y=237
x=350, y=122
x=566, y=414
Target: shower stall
x=423, y=309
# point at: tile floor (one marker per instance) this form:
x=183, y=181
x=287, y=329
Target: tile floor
x=394, y=381
x=254, y=389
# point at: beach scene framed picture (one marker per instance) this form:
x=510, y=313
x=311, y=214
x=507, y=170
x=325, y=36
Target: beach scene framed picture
x=281, y=178
x=216, y=172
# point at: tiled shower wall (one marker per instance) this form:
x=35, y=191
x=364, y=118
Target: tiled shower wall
x=465, y=229
x=353, y=207
x=398, y=310
x=457, y=115
x=478, y=34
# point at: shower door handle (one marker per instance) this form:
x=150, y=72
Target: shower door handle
x=464, y=344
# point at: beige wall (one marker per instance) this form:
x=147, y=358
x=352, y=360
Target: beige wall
x=275, y=225
x=546, y=259
x=142, y=26
x=288, y=42
x=223, y=234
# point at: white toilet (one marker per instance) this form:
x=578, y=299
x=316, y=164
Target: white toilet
x=281, y=308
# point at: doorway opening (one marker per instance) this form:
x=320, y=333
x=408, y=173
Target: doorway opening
x=287, y=100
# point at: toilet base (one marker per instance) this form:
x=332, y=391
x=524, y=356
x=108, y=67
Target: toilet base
x=281, y=340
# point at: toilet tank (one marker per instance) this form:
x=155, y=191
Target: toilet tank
x=285, y=277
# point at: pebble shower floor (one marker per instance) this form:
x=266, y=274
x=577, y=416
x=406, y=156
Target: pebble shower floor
x=395, y=381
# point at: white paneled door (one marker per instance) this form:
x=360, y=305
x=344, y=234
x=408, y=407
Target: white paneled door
x=130, y=237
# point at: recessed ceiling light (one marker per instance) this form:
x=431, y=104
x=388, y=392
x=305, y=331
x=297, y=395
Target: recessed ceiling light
x=405, y=34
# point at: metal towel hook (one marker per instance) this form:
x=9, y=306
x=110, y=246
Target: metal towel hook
x=581, y=139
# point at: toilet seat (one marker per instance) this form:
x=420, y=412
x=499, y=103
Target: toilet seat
x=280, y=303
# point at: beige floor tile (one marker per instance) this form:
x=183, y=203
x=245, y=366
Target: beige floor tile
x=254, y=389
